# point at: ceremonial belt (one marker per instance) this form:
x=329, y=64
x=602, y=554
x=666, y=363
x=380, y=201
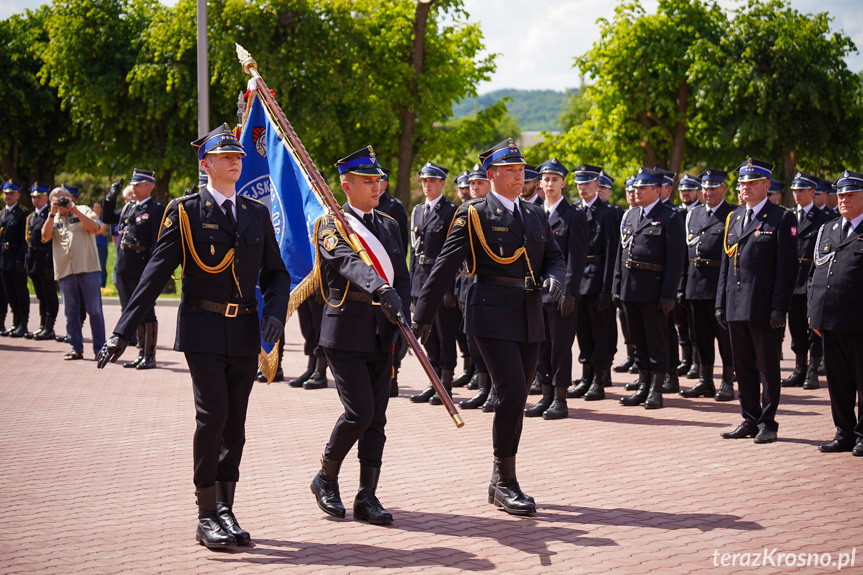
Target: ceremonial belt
x=135, y=248
x=353, y=295
x=634, y=265
x=805, y=261
x=525, y=283
x=225, y=309
x=593, y=259
x=704, y=263
x=425, y=260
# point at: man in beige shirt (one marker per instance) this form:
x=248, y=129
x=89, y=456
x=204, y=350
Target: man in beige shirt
x=73, y=230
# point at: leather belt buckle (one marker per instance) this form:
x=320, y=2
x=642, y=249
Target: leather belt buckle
x=231, y=309
x=529, y=284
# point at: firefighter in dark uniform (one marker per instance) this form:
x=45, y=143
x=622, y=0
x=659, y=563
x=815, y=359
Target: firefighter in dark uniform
x=688, y=188
x=513, y=255
x=531, y=192
x=595, y=312
x=606, y=184
x=836, y=311
x=647, y=275
x=39, y=264
x=13, y=248
x=756, y=281
x=628, y=364
x=139, y=230
x=430, y=222
x=705, y=237
x=356, y=333
x=462, y=183
x=804, y=341
x=228, y=245
x=569, y=227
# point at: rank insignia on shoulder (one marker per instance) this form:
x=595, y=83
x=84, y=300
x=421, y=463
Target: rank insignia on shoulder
x=326, y=232
x=499, y=229
x=330, y=243
x=207, y=226
x=459, y=222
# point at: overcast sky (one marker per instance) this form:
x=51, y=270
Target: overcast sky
x=537, y=40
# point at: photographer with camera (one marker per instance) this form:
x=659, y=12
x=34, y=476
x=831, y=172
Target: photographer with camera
x=72, y=230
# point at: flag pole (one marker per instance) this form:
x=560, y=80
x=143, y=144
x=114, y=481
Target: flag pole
x=320, y=188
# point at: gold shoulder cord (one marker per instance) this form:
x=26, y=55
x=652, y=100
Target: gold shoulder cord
x=27, y=227
x=186, y=240
x=732, y=251
x=473, y=218
x=342, y=233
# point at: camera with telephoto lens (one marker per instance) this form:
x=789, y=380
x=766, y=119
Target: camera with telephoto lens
x=63, y=202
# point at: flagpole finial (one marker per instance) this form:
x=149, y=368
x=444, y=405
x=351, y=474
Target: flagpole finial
x=246, y=59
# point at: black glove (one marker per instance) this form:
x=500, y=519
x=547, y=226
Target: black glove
x=112, y=350
x=615, y=299
x=555, y=290
x=449, y=300
x=271, y=329
x=115, y=190
x=391, y=303
x=777, y=319
x=665, y=305
x=421, y=331
x=566, y=305
x=603, y=302
x=720, y=318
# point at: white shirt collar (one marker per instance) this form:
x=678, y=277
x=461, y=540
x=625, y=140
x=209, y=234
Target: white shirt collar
x=692, y=206
x=806, y=208
x=507, y=203
x=531, y=199
x=147, y=199
x=591, y=202
x=757, y=209
x=357, y=210
x=854, y=223
x=220, y=199
x=550, y=209
x=434, y=202
x=646, y=210
x=12, y=207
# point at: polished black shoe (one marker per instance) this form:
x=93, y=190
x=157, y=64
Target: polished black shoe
x=743, y=430
x=798, y=375
x=837, y=446
x=64, y=339
x=3, y=331
x=671, y=383
x=366, y=504
x=765, y=436
x=44, y=335
x=446, y=382
x=726, y=391
x=701, y=389
x=579, y=390
x=32, y=334
x=627, y=363
x=821, y=369
x=260, y=377
x=595, y=393
x=490, y=402
x=299, y=381
x=507, y=493
x=225, y=514
x=858, y=449
x=811, y=381
x=654, y=398
x=481, y=396
x=318, y=378
x=209, y=531
x=325, y=487
x=134, y=363
x=465, y=376
x=493, y=482
x=535, y=387
x=558, y=408
x=642, y=390
x=147, y=362
x=631, y=386
x=539, y=408
x=473, y=384
x=280, y=375
x=424, y=396
x=19, y=331
x=694, y=371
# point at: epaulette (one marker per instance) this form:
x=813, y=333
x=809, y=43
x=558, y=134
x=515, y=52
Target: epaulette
x=384, y=214
x=251, y=199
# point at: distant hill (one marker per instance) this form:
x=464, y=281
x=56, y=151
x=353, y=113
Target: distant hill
x=534, y=109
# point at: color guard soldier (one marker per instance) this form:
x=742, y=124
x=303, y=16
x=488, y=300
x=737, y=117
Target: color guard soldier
x=705, y=236
x=228, y=245
x=13, y=247
x=357, y=336
x=569, y=227
x=139, y=230
x=647, y=275
x=836, y=311
x=803, y=340
x=595, y=312
x=531, y=191
x=39, y=264
x=513, y=255
x=756, y=281
x=430, y=223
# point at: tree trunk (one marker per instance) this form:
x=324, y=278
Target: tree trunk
x=789, y=168
x=678, y=139
x=409, y=113
x=160, y=190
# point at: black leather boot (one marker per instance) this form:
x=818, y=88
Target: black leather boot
x=705, y=386
x=671, y=382
x=685, y=361
x=151, y=332
x=542, y=404
x=811, y=381
x=493, y=482
x=507, y=493
x=394, y=382
x=425, y=395
x=299, y=381
x=634, y=385
x=558, y=408
x=601, y=380
x=587, y=376
x=318, y=379
x=446, y=381
x=535, y=387
x=465, y=375
x=48, y=332
x=491, y=400
x=628, y=362
x=726, y=387
x=224, y=511
x=325, y=486
x=473, y=384
x=484, y=382
x=640, y=395
x=654, y=398
x=798, y=375
x=821, y=369
x=209, y=532
x=366, y=504
x=134, y=363
x=695, y=371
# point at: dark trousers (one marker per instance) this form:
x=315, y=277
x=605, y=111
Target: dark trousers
x=803, y=339
x=683, y=323
x=4, y=305
x=673, y=339
x=46, y=293
x=755, y=350
x=706, y=330
x=440, y=346
x=843, y=358
x=461, y=340
x=222, y=386
x=363, y=383
x=476, y=355
x=15, y=285
x=129, y=283
x=310, y=313
x=648, y=332
x=555, y=353
x=592, y=330
x=512, y=365
x=624, y=325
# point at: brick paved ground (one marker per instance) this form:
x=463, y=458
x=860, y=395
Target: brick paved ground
x=97, y=466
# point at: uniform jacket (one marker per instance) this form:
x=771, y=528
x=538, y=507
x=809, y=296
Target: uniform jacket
x=138, y=230
x=354, y=325
x=394, y=208
x=762, y=278
x=704, y=240
x=496, y=311
x=835, y=297
x=256, y=260
x=603, y=238
x=657, y=240
x=39, y=259
x=807, y=233
x=569, y=228
x=13, y=225
x=427, y=238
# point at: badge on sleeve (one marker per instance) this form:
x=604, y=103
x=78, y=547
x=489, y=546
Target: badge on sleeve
x=459, y=222
x=168, y=222
x=330, y=243
x=794, y=231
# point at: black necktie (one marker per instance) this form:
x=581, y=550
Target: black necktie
x=846, y=230
x=517, y=215
x=229, y=213
x=747, y=218
x=369, y=220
